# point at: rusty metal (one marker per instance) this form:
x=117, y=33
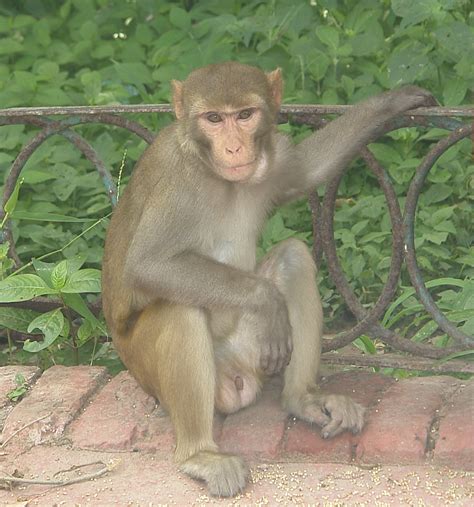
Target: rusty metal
x=398, y=362
x=368, y=320
x=299, y=109
x=409, y=219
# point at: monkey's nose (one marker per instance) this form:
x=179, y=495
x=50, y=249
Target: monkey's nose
x=232, y=151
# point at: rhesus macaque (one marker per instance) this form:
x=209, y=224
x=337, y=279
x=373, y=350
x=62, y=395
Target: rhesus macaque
x=193, y=316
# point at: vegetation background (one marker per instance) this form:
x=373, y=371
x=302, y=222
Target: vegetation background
x=103, y=52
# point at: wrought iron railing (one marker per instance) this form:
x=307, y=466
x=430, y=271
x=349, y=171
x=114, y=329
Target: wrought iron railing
x=457, y=121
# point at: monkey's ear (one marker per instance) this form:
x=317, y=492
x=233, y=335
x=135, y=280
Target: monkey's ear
x=276, y=84
x=177, y=88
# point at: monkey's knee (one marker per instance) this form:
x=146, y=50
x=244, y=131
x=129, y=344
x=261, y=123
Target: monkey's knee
x=289, y=258
x=296, y=255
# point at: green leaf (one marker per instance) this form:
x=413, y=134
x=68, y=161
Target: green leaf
x=465, y=354
x=180, y=18
x=23, y=287
x=59, y=275
x=385, y=153
x=47, y=217
x=43, y=270
x=425, y=331
x=365, y=344
x=17, y=319
x=84, y=280
x=437, y=193
x=13, y=199
x=33, y=176
x=454, y=92
x=414, y=12
x=84, y=332
x=407, y=66
x=328, y=35
x=319, y=66
x=134, y=73
x=410, y=291
x=75, y=263
x=9, y=46
x=77, y=303
x=50, y=324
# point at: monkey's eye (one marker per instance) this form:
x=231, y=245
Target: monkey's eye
x=214, y=117
x=245, y=114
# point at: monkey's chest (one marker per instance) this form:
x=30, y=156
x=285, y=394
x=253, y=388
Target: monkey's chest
x=232, y=241
x=238, y=252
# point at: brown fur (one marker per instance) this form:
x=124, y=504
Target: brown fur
x=192, y=315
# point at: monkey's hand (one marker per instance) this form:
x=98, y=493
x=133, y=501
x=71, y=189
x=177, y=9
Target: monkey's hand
x=399, y=101
x=334, y=413
x=273, y=331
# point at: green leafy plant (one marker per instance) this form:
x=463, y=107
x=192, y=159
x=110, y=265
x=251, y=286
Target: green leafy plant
x=67, y=283
x=103, y=52
x=20, y=390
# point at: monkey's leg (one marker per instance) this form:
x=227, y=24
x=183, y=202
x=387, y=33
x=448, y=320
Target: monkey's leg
x=292, y=269
x=173, y=357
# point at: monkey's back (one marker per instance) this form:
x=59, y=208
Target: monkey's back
x=142, y=187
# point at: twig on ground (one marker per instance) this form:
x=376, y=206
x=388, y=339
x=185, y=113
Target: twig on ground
x=5, y=442
x=10, y=479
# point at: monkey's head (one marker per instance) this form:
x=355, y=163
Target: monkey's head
x=228, y=112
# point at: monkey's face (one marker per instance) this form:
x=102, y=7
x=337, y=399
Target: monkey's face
x=228, y=114
x=232, y=142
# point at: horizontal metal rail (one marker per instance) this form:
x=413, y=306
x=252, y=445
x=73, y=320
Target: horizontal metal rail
x=456, y=120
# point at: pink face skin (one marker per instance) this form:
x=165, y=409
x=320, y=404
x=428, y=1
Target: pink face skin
x=231, y=134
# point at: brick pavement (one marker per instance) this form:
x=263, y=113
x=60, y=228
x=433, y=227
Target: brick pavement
x=415, y=429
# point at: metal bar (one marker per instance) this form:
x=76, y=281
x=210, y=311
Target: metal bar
x=397, y=361
x=464, y=111
x=312, y=115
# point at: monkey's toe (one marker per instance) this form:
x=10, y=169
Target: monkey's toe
x=344, y=414
x=225, y=475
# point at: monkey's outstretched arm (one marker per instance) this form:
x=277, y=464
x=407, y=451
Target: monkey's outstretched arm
x=326, y=153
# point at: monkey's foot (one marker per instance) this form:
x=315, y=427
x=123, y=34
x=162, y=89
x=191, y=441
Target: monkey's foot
x=333, y=412
x=224, y=474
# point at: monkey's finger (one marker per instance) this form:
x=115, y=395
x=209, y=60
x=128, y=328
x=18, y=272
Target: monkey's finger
x=268, y=359
x=264, y=359
x=281, y=363
x=334, y=427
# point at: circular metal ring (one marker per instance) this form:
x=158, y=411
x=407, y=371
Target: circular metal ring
x=409, y=225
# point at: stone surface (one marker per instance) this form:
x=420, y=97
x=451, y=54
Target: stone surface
x=53, y=403
x=143, y=479
x=115, y=418
x=302, y=438
x=8, y=375
x=454, y=444
x=398, y=427
x=7, y=379
x=82, y=411
x=257, y=430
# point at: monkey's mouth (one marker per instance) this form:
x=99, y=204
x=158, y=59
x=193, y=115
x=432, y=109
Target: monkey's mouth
x=242, y=167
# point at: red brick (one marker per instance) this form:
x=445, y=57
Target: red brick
x=57, y=398
x=7, y=379
x=455, y=442
x=115, y=418
x=398, y=427
x=160, y=435
x=364, y=387
x=303, y=438
x=257, y=430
